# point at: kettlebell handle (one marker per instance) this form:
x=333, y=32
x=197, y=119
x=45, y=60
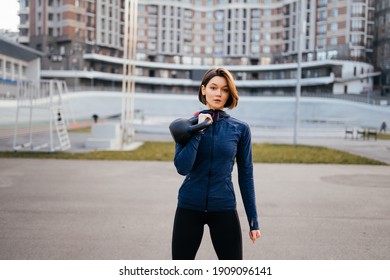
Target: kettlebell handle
x=195, y=127
x=182, y=129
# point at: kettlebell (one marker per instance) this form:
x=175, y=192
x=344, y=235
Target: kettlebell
x=182, y=129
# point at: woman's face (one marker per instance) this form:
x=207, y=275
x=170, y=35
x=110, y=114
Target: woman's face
x=216, y=93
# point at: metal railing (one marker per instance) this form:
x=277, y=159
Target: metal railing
x=373, y=98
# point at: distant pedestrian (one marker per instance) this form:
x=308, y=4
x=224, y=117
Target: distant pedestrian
x=383, y=127
x=207, y=194
x=95, y=118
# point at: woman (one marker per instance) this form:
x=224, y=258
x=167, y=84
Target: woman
x=207, y=195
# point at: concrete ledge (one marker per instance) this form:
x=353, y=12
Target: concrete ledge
x=93, y=143
x=104, y=136
x=105, y=130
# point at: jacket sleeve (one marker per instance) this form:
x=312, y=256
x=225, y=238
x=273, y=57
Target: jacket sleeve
x=185, y=155
x=245, y=177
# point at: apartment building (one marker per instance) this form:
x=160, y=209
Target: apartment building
x=178, y=40
x=17, y=62
x=381, y=56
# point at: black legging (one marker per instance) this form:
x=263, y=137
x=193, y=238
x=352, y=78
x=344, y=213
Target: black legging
x=225, y=232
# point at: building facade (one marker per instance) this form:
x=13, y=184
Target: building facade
x=17, y=62
x=381, y=55
x=178, y=40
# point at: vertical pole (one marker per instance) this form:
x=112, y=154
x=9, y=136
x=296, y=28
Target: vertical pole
x=32, y=91
x=20, y=87
x=300, y=43
x=128, y=80
x=133, y=57
x=125, y=75
x=51, y=115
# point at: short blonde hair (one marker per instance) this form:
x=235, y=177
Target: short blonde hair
x=221, y=72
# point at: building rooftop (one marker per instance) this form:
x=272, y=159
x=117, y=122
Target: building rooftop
x=18, y=51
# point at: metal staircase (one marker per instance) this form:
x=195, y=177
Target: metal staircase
x=62, y=132
x=40, y=108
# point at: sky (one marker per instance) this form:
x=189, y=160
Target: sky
x=9, y=18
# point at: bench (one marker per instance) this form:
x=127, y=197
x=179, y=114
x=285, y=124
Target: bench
x=349, y=131
x=372, y=133
x=366, y=134
x=361, y=133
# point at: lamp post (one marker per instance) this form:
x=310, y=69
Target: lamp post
x=128, y=79
x=300, y=42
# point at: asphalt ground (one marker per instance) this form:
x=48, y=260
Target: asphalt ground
x=113, y=210
x=66, y=209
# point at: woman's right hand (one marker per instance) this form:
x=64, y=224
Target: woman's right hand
x=203, y=117
x=254, y=234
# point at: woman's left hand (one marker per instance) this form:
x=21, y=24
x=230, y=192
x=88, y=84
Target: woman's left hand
x=254, y=234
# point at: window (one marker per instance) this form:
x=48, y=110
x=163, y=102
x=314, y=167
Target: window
x=152, y=21
x=322, y=15
x=255, y=37
x=256, y=13
x=256, y=24
x=219, y=26
x=219, y=37
x=152, y=9
x=321, y=42
x=8, y=67
x=322, y=3
x=16, y=69
x=151, y=46
x=255, y=49
x=321, y=28
x=141, y=32
x=357, y=24
x=357, y=10
x=357, y=38
x=219, y=15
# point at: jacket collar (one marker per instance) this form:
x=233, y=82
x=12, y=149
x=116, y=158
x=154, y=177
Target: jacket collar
x=217, y=115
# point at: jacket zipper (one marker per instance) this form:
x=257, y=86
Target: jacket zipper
x=211, y=161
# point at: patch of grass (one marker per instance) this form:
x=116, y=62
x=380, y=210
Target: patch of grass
x=164, y=151
x=384, y=136
x=278, y=153
x=85, y=129
x=159, y=151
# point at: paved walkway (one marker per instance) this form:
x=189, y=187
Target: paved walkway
x=69, y=209
x=66, y=209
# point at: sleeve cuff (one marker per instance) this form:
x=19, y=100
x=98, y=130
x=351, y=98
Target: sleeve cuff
x=254, y=224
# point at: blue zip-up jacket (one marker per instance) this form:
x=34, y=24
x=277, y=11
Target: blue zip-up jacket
x=207, y=161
